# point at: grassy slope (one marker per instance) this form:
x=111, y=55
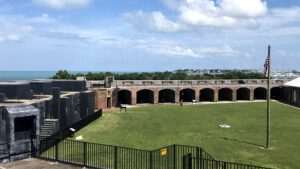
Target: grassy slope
x=158, y=126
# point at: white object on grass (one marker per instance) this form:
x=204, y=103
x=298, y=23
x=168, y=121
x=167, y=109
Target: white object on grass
x=79, y=138
x=225, y=126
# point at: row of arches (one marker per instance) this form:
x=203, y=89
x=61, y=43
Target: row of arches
x=206, y=95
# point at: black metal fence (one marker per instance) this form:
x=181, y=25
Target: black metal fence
x=202, y=163
x=102, y=156
x=114, y=157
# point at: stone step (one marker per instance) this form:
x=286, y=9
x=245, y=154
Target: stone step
x=46, y=131
x=49, y=124
x=43, y=128
x=48, y=128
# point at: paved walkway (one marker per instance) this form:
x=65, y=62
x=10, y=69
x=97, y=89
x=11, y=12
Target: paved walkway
x=33, y=163
x=184, y=103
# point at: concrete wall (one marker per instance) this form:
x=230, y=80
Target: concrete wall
x=70, y=85
x=16, y=90
x=75, y=107
x=41, y=87
x=3, y=138
x=21, y=148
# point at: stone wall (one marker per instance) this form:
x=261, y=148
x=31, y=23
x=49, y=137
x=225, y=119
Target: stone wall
x=128, y=83
x=124, y=83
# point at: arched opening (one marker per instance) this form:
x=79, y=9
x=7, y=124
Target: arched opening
x=277, y=93
x=243, y=94
x=260, y=93
x=145, y=96
x=207, y=95
x=166, y=96
x=124, y=97
x=225, y=94
x=187, y=95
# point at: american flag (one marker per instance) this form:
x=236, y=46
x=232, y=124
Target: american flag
x=266, y=66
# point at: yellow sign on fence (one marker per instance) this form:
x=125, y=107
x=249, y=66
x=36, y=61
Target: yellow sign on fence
x=163, y=151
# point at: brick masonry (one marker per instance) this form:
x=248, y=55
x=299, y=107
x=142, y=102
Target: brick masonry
x=102, y=95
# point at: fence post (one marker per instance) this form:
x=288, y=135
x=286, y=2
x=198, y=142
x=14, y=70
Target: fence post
x=190, y=161
x=150, y=159
x=116, y=157
x=187, y=161
x=201, y=158
x=197, y=157
x=84, y=154
x=56, y=149
x=225, y=165
x=174, y=156
x=184, y=162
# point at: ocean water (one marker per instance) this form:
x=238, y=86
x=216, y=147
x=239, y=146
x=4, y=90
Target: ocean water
x=30, y=75
x=25, y=75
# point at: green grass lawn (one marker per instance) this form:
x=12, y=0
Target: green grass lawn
x=157, y=126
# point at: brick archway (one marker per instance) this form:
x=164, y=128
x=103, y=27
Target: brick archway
x=207, y=95
x=243, y=94
x=187, y=95
x=260, y=93
x=124, y=97
x=166, y=96
x=225, y=94
x=277, y=93
x=145, y=96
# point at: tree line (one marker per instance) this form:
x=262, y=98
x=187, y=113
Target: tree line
x=167, y=75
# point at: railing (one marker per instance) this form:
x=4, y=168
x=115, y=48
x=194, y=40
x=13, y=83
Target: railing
x=107, y=156
x=94, y=155
x=202, y=163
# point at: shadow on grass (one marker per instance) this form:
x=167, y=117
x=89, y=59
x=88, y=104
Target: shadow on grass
x=245, y=142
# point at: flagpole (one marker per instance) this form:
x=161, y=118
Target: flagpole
x=268, y=98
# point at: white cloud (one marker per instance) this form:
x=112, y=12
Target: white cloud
x=201, y=52
x=61, y=4
x=155, y=21
x=45, y=19
x=13, y=32
x=243, y=8
x=196, y=14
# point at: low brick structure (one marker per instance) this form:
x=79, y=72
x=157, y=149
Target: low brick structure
x=134, y=92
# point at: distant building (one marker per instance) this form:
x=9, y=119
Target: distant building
x=292, y=91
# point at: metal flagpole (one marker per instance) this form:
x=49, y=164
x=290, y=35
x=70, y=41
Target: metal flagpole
x=268, y=98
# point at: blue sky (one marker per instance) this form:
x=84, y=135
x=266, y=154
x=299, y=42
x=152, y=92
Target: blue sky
x=144, y=35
